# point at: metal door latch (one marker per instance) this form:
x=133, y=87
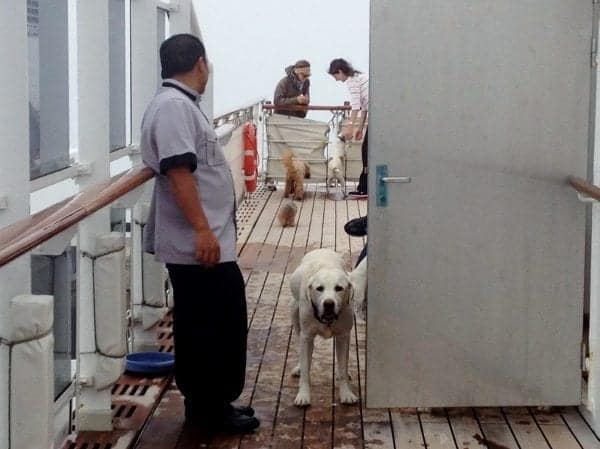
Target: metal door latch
x=382, y=180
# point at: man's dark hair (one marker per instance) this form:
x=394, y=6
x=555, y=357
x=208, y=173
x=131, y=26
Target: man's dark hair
x=342, y=65
x=179, y=53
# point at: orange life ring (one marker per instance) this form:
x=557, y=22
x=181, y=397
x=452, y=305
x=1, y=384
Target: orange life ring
x=250, y=157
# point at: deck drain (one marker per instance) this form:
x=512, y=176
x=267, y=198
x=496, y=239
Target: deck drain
x=129, y=414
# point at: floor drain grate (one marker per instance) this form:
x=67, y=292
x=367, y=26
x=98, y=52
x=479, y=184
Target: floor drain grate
x=133, y=399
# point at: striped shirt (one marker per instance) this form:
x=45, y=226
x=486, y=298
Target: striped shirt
x=358, y=85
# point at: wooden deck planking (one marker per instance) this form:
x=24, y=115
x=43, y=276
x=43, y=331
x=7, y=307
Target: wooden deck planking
x=290, y=419
x=318, y=425
x=436, y=429
x=269, y=254
x=347, y=427
x=407, y=429
x=555, y=430
x=525, y=428
x=268, y=385
x=464, y=427
x=495, y=428
x=580, y=428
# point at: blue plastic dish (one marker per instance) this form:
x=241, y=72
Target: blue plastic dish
x=149, y=362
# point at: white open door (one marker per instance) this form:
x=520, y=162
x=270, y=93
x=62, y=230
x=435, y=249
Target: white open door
x=476, y=266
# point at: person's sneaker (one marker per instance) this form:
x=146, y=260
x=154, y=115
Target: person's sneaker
x=357, y=227
x=356, y=194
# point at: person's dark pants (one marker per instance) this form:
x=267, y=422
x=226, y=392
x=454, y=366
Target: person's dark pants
x=362, y=180
x=361, y=256
x=210, y=330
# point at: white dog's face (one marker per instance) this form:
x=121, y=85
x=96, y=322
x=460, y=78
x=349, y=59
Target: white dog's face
x=329, y=291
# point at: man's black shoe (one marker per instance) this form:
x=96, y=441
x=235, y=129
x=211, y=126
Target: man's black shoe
x=235, y=423
x=192, y=411
x=357, y=227
x=238, y=423
x=244, y=410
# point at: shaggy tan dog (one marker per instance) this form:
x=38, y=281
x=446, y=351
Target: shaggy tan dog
x=287, y=213
x=296, y=172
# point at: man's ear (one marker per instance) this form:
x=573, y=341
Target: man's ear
x=202, y=64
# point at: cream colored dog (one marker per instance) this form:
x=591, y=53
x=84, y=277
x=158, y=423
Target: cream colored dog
x=358, y=277
x=335, y=164
x=322, y=290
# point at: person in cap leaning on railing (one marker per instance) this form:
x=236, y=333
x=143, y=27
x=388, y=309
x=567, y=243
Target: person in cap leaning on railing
x=293, y=89
x=191, y=228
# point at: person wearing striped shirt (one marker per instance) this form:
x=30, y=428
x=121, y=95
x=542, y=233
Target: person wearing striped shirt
x=358, y=87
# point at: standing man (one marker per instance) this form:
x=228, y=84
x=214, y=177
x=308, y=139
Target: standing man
x=293, y=89
x=191, y=228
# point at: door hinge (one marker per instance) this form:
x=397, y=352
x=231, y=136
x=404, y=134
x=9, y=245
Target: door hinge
x=594, y=57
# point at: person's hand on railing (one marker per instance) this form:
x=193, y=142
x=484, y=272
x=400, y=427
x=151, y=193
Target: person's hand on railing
x=302, y=99
x=208, y=251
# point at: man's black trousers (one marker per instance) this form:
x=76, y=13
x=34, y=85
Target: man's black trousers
x=210, y=330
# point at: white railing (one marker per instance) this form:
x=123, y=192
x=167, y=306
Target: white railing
x=102, y=282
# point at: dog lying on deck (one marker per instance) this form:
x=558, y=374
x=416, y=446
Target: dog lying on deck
x=296, y=172
x=322, y=293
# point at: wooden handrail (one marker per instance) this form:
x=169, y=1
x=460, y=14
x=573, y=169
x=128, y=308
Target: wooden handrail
x=584, y=187
x=21, y=237
x=296, y=107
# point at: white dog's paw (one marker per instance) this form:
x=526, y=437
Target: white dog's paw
x=296, y=371
x=302, y=398
x=346, y=395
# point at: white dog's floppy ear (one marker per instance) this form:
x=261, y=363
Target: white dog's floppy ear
x=305, y=289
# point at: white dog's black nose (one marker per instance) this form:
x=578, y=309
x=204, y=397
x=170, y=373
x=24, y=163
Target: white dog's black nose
x=328, y=306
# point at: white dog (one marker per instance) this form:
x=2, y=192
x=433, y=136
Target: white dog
x=358, y=277
x=335, y=164
x=322, y=291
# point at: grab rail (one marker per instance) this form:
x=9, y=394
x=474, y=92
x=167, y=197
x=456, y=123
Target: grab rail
x=22, y=236
x=294, y=107
x=585, y=188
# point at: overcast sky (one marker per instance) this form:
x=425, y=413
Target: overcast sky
x=251, y=42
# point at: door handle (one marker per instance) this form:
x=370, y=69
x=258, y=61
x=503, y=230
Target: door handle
x=383, y=180
x=396, y=179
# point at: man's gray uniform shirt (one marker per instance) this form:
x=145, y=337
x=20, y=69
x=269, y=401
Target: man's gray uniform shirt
x=175, y=132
